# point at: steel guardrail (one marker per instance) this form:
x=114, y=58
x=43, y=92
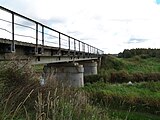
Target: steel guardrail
x=76, y=45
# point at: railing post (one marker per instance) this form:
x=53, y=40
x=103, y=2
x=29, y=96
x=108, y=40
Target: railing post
x=42, y=39
x=59, y=51
x=59, y=40
x=91, y=51
x=83, y=49
x=69, y=45
x=36, y=49
x=79, y=48
x=97, y=51
x=13, y=42
x=74, y=47
x=88, y=50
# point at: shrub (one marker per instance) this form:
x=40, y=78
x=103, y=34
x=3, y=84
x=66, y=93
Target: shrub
x=127, y=54
x=123, y=76
x=119, y=77
x=16, y=73
x=136, y=58
x=138, y=77
x=152, y=77
x=110, y=62
x=144, y=56
x=94, y=78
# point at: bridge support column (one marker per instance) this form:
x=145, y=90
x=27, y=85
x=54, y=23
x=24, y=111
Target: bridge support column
x=68, y=73
x=90, y=68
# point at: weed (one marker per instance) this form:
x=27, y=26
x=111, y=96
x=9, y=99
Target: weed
x=23, y=98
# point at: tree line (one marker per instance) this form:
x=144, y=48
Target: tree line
x=144, y=53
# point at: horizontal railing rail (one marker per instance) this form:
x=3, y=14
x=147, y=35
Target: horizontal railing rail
x=43, y=35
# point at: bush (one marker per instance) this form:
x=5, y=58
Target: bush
x=152, y=77
x=144, y=56
x=16, y=73
x=119, y=77
x=122, y=77
x=110, y=62
x=94, y=78
x=138, y=77
x=127, y=54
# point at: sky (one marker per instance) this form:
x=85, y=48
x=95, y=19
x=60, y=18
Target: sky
x=110, y=25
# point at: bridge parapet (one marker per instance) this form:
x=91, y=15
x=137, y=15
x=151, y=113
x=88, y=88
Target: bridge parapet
x=21, y=30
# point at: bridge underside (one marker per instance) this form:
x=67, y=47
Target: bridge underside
x=41, y=54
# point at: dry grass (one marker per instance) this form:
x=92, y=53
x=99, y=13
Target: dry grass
x=23, y=98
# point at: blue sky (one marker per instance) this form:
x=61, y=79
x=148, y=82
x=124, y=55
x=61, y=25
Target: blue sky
x=158, y=1
x=112, y=25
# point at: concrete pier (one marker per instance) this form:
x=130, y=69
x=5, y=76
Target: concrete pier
x=68, y=73
x=90, y=68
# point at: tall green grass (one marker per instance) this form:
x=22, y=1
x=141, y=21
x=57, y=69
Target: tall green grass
x=143, y=97
x=131, y=65
x=135, y=69
x=137, y=64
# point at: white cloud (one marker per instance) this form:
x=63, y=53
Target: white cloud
x=107, y=24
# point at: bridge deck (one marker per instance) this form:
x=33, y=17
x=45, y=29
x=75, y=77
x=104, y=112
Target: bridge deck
x=50, y=54
x=44, y=44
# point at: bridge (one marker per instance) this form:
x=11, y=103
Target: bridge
x=63, y=55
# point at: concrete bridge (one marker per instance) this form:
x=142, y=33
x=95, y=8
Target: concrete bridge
x=26, y=39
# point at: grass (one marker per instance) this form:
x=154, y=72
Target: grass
x=23, y=98
x=140, y=101
x=142, y=65
x=128, y=115
x=26, y=99
x=131, y=65
x=38, y=68
x=133, y=69
x=142, y=97
x=55, y=102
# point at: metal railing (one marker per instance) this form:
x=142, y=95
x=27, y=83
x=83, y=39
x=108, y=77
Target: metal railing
x=44, y=35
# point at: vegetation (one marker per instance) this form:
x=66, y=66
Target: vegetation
x=120, y=70
x=144, y=53
x=23, y=98
x=142, y=97
x=106, y=96
x=137, y=101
